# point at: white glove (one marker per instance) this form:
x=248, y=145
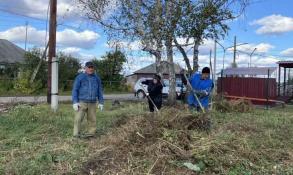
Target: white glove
x=205, y=92
x=147, y=94
x=101, y=107
x=76, y=106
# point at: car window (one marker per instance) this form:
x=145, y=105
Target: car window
x=166, y=82
x=149, y=81
x=178, y=83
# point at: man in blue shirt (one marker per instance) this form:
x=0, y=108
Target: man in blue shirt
x=87, y=90
x=202, y=86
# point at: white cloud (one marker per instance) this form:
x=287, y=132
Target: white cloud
x=206, y=47
x=78, y=53
x=65, y=38
x=17, y=34
x=287, y=52
x=70, y=38
x=243, y=60
x=73, y=51
x=260, y=48
x=38, y=8
x=274, y=24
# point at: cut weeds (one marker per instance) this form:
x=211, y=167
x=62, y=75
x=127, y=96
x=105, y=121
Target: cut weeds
x=36, y=141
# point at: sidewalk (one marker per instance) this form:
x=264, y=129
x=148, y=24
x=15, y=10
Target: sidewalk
x=43, y=99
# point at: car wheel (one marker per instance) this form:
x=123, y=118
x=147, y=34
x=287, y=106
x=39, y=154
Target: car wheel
x=140, y=94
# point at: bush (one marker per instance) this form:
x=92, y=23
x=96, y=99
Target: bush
x=6, y=85
x=23, y=85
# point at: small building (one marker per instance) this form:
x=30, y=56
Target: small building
x=255, y=84
x=285, y=87
x=150, y=70
x=10, y=53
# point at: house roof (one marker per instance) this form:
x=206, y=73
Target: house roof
x=249, y=71
x=10, y=53
x=151, y=69
x=285, y=64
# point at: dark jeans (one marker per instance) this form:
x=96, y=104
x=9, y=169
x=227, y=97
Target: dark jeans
x=157, y=102
x=193, y=107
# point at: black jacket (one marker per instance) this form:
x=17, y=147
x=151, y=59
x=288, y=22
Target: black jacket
x=154, y=90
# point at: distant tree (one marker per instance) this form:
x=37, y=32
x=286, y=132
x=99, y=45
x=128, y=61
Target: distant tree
x=204, y=20
x=32, y=58
x=110, y=66
x=68, y=69
x=22, y=84
x=9, y=70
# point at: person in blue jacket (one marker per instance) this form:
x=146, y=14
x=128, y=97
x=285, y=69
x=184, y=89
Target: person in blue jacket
x=87, y=90
x=202, y=86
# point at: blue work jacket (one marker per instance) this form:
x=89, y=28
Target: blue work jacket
x=199, y=84
x=87, y=88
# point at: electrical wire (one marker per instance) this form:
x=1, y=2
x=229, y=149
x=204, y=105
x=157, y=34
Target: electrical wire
x=38, y=19
x=48, y=7
x=265, y=55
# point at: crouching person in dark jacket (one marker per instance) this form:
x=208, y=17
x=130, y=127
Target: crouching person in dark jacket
x=154, y=92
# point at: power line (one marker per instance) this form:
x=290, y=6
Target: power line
x=26, y=26
x=39, y=19
x=265, y=55
x=47, y=23
x=19, y=14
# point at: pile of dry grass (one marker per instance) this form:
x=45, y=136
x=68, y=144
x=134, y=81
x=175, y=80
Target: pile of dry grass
x=148, y=144
x=240, y=105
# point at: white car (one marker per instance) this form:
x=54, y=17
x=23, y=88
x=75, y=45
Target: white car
x=140, y=89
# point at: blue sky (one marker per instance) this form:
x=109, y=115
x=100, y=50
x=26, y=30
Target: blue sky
x=266, y=25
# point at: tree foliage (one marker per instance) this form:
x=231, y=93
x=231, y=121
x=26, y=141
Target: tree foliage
x=68, y=68
x=110, y=66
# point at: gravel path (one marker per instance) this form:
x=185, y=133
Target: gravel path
x=43, y=99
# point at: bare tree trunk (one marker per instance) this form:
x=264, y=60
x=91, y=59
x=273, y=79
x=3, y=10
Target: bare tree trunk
x=171, y=68
x=185, y=57
x=159, y=70
x=39, y=65
x=171, y=24
x=158, y=55
x=195, y=55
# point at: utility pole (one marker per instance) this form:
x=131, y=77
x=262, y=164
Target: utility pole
x=52, y=47
x=215, y=60
x=234, y=57
x=26, y=26
x=211, y=65
x=251, y=56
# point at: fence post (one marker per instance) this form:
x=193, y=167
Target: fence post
x=268, y=80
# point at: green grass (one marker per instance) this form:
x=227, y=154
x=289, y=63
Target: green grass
x=34, y=140
x=259, y=142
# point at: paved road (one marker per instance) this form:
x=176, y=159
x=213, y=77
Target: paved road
x=42, y=99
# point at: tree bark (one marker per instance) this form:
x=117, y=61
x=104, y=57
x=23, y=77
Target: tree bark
x=158, y=55
x=185, y=57
x=171, y=68
x=195, y=55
